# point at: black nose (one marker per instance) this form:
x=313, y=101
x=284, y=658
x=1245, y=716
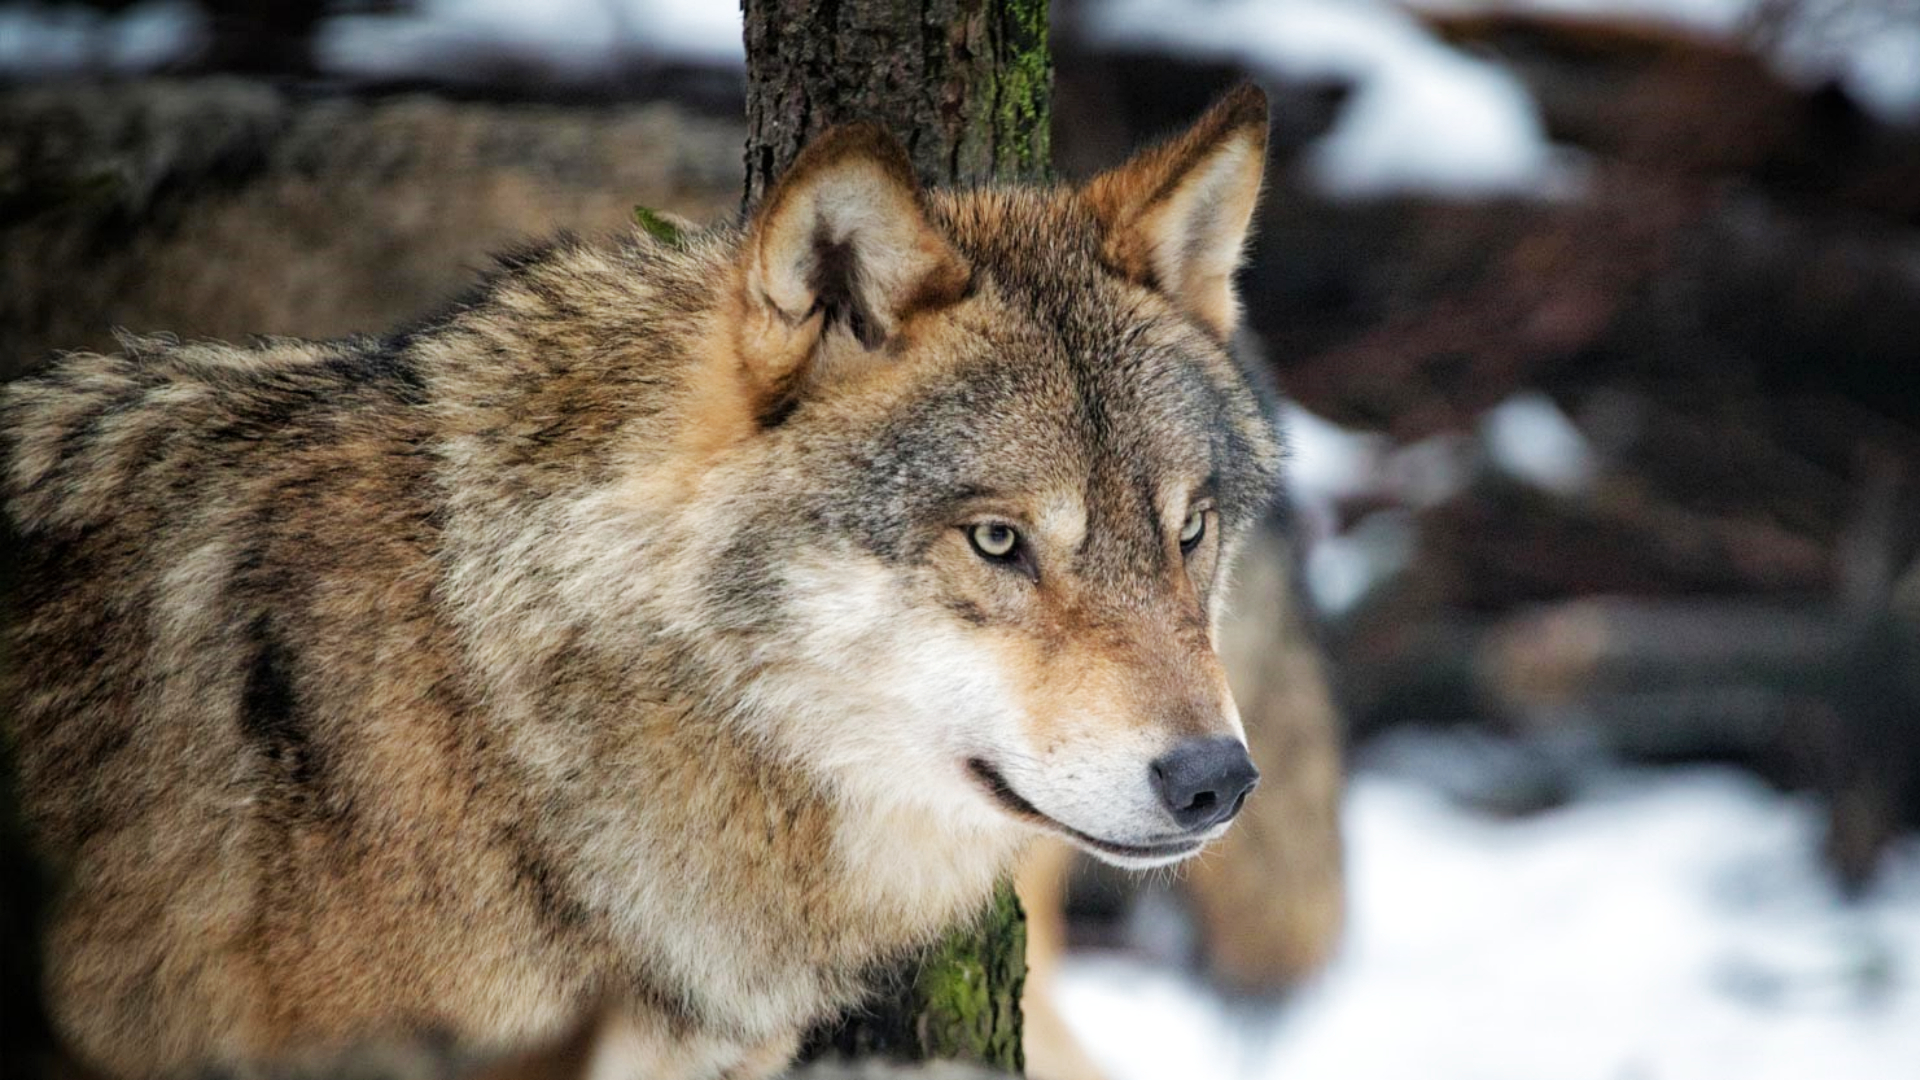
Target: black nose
x=1202, y=782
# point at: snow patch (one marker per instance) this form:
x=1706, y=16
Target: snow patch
x=39, y=40
x=1327, y=462
x=1529, y=438
x=1666, y=924
x=1424, y=116
x=1340, y=571
x=1327, y=465
x=579, y=36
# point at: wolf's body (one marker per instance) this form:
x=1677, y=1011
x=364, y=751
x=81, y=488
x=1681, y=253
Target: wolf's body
x=637, y=639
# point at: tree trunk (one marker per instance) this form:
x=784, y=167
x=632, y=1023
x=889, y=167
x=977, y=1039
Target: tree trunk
x=966, y=86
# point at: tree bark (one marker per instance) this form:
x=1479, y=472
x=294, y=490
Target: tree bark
x=966, y=86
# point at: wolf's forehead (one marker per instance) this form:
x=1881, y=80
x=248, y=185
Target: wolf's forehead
x=1103, y=445
x=1041, y=246
x=1057, y=424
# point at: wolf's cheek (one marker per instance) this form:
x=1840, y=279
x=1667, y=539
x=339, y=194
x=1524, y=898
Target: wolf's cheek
x=874, y=684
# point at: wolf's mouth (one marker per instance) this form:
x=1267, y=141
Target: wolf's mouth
x=1012, y=803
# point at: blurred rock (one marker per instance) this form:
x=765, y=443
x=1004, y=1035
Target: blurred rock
x=224, y=209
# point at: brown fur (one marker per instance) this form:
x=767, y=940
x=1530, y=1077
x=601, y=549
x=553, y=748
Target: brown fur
x=450, y=688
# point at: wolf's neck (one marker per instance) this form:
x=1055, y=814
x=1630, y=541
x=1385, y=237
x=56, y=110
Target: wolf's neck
x=916, y=874
x=746, y=887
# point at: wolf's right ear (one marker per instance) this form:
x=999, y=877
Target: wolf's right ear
x=839, y=257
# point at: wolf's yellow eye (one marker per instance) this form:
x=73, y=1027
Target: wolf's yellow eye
x=1193, y=529
x=994, y=539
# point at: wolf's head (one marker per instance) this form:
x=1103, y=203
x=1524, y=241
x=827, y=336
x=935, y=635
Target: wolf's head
x=978, y=541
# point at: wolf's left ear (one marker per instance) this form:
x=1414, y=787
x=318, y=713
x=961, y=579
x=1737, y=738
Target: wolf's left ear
x=1176, y=217
x=840, y=257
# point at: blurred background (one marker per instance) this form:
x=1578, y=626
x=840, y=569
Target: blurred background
x=1585, y=666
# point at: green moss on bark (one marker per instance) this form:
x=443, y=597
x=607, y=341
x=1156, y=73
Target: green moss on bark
x=971, y=987
x=1023, y=98
x=958, y=1002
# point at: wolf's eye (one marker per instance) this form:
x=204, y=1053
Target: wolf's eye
x=995, y=540
x=1193, y=529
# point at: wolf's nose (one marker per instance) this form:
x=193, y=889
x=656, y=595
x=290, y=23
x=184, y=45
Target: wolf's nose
x=1202, y=782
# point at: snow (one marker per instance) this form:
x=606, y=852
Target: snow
x=1340, y=571
x=1424, y=116
x=1436, y=117
x=37, y=39
x=581, y=36
x=433, y=37
x=1527, y=437
x=1530, y=438
x=149, y=35
x=1665, y=924
x=1326, y=465
x=1327, y=462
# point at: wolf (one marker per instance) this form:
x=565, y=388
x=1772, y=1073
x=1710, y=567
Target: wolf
x=663, y=639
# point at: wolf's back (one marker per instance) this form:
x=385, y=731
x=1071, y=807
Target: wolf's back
x=85, y=438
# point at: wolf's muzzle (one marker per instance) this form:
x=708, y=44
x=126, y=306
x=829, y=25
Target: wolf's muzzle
x=1203, y=782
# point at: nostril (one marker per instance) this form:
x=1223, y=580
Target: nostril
x=1238, y=802
x=1203, y=782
